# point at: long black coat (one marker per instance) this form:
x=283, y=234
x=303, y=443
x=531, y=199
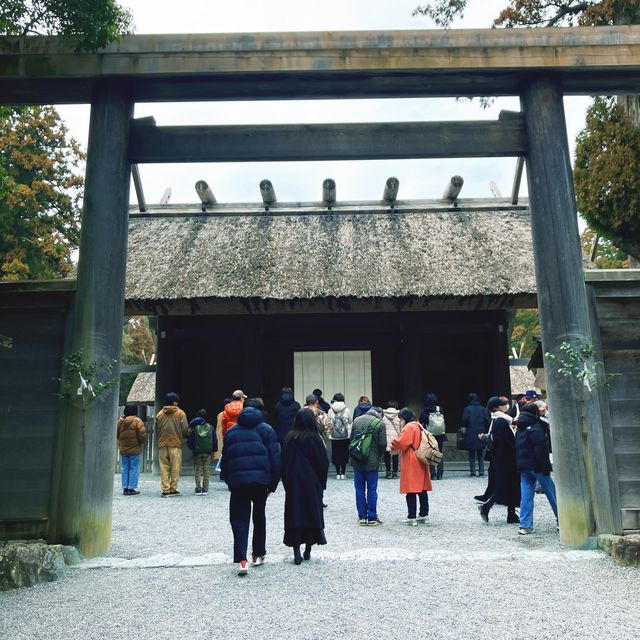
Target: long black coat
x=507, y=478
x=304, y=475
x=476, y=419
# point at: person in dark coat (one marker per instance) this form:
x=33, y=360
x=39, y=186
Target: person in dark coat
x=286, y=409
x=430, y=406
x=507, y=478
x=324, y=405
x=251, y=468
x=364, y=404
x=533, y=464
x=304, y=476
x=475, y=419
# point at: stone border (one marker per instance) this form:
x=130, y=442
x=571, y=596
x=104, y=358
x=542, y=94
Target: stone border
x=624, y=550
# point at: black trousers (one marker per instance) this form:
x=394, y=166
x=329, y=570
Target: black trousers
x=391, y=462
x=240, y=502
x=411, y=504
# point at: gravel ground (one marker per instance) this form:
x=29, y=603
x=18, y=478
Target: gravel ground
x=169, y=575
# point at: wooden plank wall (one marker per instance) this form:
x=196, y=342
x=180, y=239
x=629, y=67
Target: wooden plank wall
x=618, y=314
x=33, y=327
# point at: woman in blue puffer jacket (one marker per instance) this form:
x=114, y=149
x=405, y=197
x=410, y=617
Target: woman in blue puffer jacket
x=251, y=468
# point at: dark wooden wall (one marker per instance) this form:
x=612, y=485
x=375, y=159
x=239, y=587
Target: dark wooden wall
x=204, y=358
x=618, y=316
x=32, y=327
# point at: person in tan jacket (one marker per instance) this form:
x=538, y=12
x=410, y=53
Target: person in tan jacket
x=172, y=428
x=131, y=435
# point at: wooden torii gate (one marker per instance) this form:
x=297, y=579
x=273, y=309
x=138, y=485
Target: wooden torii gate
x=539, y=65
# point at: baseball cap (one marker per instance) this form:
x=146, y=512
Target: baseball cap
x=239, y=393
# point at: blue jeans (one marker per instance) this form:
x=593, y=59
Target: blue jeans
x=130, y=471
x=528, y=491
x=366, y=486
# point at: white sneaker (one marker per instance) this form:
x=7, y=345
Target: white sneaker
x=256, y=561
x=412, y=522
x=343, y=477
x=338, y=477
x=422, y=519
x=242, y=568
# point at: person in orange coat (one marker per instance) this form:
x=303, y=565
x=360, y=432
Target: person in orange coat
x=232, y=410
x=415, y=479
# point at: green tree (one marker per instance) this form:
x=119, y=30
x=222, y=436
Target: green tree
x=541, y=13
x=40, y=190
x=607, y=255
x=90, y=23
x=607, y=175
x=138, y=347
x=607, y=169
x=40, y=183
x=526, y=326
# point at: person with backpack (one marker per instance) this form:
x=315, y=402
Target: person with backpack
x=415, y=478
x=368, y=444
x=392, y=425
x=131, y=435
x=251, y=468
x=432, y=418
x=339, y=417
x=304, y=476
x=232, y=410
x=202, y=441
x=533, y=464
x=286, y=410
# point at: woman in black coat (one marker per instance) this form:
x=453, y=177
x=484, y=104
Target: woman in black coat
x=475, y=419
x=507, y=478
x=304, y=475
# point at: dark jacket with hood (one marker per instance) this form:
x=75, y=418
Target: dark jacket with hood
x=286, y=409
x=191, y=437
x=361, y=409
x=532, y=447
x=476, y=419
x=251, y=452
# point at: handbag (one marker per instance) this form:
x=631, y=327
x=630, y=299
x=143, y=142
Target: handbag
x=460, y=438
x=428, y=451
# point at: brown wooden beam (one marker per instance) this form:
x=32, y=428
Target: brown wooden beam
x=359, y=64
x=150, y=144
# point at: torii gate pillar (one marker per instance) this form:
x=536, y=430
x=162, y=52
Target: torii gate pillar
x=562, y=298
x=82, y=509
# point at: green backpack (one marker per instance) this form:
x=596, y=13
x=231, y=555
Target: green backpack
x=360, y=445
x=203, y=440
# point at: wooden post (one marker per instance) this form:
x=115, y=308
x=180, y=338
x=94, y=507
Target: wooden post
x=84, y=513
x=562, y=299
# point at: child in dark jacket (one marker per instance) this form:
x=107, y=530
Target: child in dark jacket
x=202, y=441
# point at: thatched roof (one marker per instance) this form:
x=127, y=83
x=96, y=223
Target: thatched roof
x=522, y=379
x=143, y=390
x=375, y=253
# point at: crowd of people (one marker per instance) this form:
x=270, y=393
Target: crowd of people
x=254, y=457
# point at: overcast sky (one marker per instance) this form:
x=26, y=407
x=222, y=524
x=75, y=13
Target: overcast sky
x=356, y=180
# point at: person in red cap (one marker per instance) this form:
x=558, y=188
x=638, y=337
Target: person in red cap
x=232, y=410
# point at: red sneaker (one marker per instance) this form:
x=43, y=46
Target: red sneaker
x=242, y=568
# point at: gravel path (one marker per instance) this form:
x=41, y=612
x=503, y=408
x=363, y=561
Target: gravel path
x=169, y=575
